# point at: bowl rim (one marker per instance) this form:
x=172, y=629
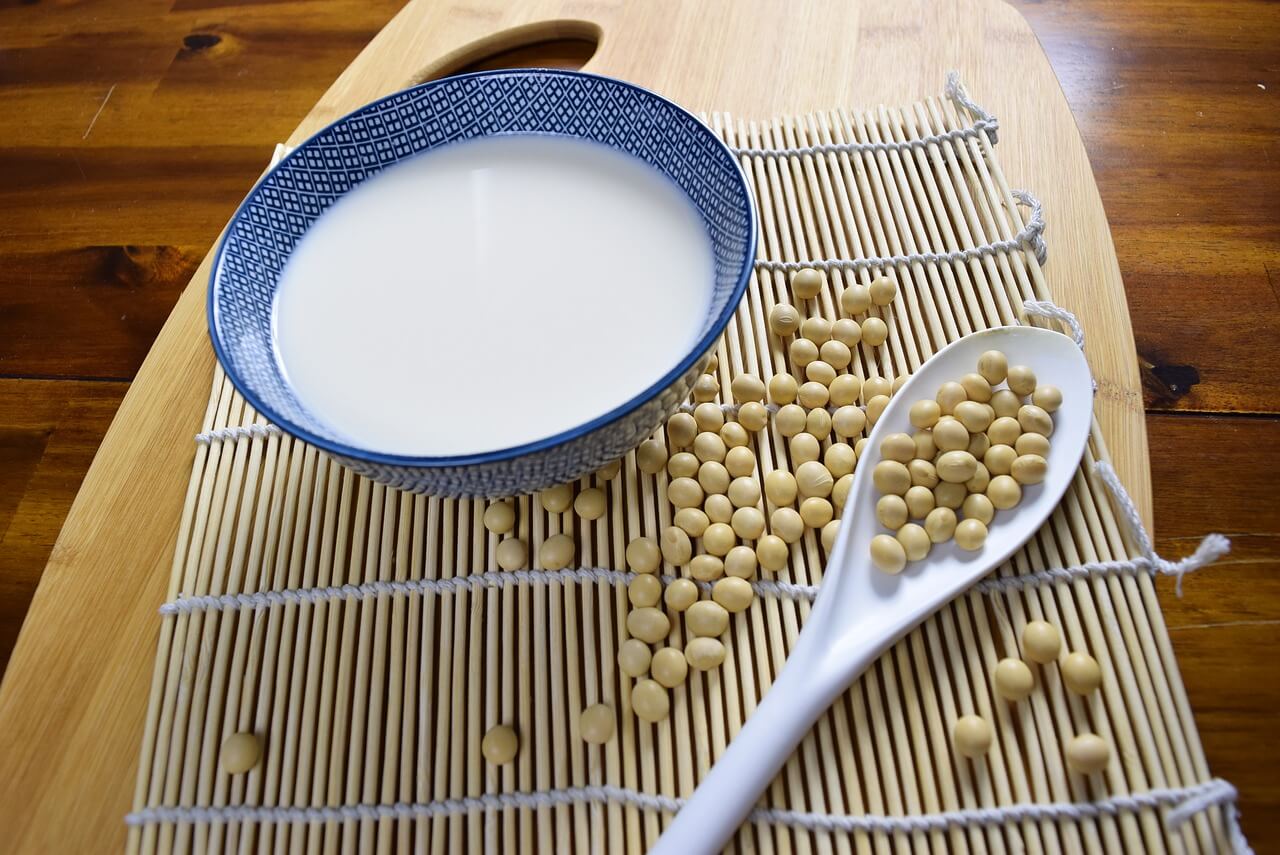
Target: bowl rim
x=336, y=447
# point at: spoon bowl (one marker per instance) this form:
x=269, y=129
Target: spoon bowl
x=861, y=611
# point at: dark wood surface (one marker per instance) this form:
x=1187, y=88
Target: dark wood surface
x=130, y=130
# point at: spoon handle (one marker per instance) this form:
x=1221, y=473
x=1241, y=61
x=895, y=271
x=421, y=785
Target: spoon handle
x=804, y=689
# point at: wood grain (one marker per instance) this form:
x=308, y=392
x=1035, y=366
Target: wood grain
x=49, y=432
x=1228, y=615
x=1177, y=103
x=153, y=120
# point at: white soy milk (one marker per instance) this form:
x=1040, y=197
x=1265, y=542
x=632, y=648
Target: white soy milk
x=491, y=293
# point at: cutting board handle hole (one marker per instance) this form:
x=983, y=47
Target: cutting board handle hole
x=546, y=44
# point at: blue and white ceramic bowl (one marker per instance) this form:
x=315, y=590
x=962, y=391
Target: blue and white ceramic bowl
x=288, y=200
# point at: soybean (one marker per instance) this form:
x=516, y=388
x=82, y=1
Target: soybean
x=643, y=555
x=839, y=458
x=816, y=512
x=718, y=539
x=784, y=319
x=804, y=448
x=556, y=500
x=780, y=487
x=1081, y=673
x=644, y=591
x=500, y=517
x=790, y=420
x=753, y=416
x=972, y=736
x=706, y=618
x=1033, y=419
x=741, y=561
x=786, y=524
x=890, y=476
x=856, y=299
x=1041, y=641
x=782, y=389
x=703, y=654
x=1021, y=380
x=634, y=657
x=679, y=595
x=1004, y=492
x=1014, y=680
x=844, y=390
x=596, y=724
x=648, y=624
x=772, y=552
x=681, y=429
x=883, y=290
x=713, y=478
x=847, y=332
x=556, y=552
x=740, y=461
x=1088, y=753
x=940, y=524
x=1029, y=468
x=240, y=752
x=1047, y=398
x=683, y=464
x=915, y=541
x=706, y=568
x=848, y=422
x=971, y=534
x=813, y=394
x=734, y=435
x=802, y=352
x=676, y=548
x=669, y=667
x=747, y=523
x=993, y=366
x=816, y=329
x=887, y=554
x=747, y=387
x=734, y=594
x=650, y=701
x=709, y=446
x=651, y=456
x=708, y=417
x=875, y=332
x=500, y=745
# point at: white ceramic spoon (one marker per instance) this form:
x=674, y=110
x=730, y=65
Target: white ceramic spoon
x=861, y=611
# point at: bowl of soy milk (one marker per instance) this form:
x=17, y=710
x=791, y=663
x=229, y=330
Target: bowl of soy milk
x=486, y=284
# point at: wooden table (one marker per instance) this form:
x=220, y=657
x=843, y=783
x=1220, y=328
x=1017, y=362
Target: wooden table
x=131, y=133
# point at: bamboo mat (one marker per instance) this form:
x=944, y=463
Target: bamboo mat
x=372, y=701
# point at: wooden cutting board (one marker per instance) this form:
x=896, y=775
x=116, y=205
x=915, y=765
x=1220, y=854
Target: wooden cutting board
x=73, y=701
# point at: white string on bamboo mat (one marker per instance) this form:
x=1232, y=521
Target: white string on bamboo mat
x=496, y=579
x=238, y=432
x=956, y=92
x=986, y=124
x=1211, y=548
x=1051, y=311
x=1183, y=802
x=1031, y=237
